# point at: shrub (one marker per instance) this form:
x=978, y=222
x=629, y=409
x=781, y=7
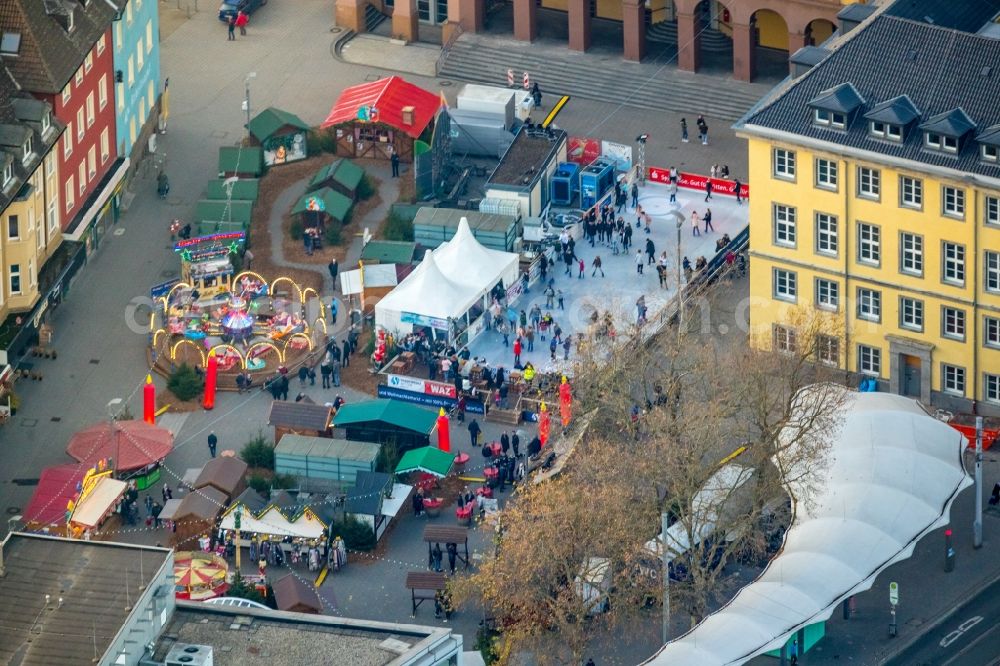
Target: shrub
x=258, y=452
x=295, y=229
x=332, y=233
x=356, y=534
x=321, y=141
x=366, y=188
x=284, y=481
x=398, y=228
x=260, y=483
x=184, y=382
x=244, y=590
x=486, y=643
x=388, y=457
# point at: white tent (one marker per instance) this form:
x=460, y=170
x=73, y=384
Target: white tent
x=464, y=259
x=891, y=475
x=426, y=297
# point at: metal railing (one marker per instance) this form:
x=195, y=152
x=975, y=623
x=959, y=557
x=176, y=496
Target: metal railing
x=446, y=49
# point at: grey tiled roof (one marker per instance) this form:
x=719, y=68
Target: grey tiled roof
x=990, y=135
x=964, y=15
x=939, y=69
x=951, y=123
x=843, y=99
x=896, y=111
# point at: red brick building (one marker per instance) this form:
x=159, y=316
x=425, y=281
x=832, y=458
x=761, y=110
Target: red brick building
x=64, y=56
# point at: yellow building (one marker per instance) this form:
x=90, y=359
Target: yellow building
x=876, y=202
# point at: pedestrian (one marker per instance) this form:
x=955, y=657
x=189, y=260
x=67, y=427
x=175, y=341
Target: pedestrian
x=462, y=404
x=334, y=310
x=559, y=299
x=793, y=652
x=714, y=171
x=394, y=161
x=157, y=510
x=708, y=220
x=529, y=337
x=536, y=95
x=737, y=185
x=684, y=130
x=346, y=356
x=583, y=267
x=436, y=556
x=650, y=252
x=550, y=294
x=241, y=22
x=635, y=195
x=515, y=444
x=241, y=382
x=553, y=345
x=303, y=376
x=703, y=130
x=517, y=352
x=474, y=431
x=148, y=501
x=590, y=662
x=334, y=268
x=708, y=189
x=695, y=231
x=213, y=442
x=504, y=442
x=325, y=370
x=452, y=549
x=673, y=192
x=567, y=343
x=418, y=507
x=231, y=24
x=596, y=263
x=163, y=493
x=638, y=261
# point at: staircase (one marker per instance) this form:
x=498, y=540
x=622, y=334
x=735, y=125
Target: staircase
x=711, y=41
x=560, y=71
x=373, y=18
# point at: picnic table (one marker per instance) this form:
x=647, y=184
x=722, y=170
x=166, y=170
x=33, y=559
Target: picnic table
x=445, y=534
x=423, y=586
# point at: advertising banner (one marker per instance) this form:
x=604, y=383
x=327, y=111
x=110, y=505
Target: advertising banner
x=421, y=320
x=619, y=153
x=418, y=385
x=582, y=150
x=694, y=181
x=428, y=400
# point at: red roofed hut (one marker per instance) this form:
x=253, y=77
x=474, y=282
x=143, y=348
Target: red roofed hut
x=370, y=119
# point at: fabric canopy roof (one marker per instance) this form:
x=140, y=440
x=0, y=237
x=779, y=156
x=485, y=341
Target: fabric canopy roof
x=465, y=259
x=56, y=487
x=129, y=444
x=426, y=291
x=890, y=477
x=92, y=508
x=426, y=459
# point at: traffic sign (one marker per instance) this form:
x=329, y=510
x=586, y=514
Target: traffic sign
x=893, y=593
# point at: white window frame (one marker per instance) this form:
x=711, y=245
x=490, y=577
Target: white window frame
x=827, y=294
x=80, y=126
x=28, y=149
x=991, y=332
x=911, y=192
x=953, y=201
x=869, y=360
x=88, y=62
x=785, y=285
x=952, y=263
x=149, y=36
x=940, y=142
x=991, y=387
x=8, y=173
x=139, y=59
x=785, y=233
x=991, y=272
x=783, y=163
x=953, y=323
x=869, y=304
x=869, y=244
x=911, y=253
x=121, y=96
x=66, y=94
x=911, y=313
x=46, y=122
x=869, y=183
x=828, y=349
x=91, y=163
x=68, y=139
x=102, y=92
x=784, y=339
x=991, y=210
x=953, y=379
x=887, y=131
x=17, y=227
x=102, y=43
x=826, y=174
x=78, y=77
x=81, y=177
x=15, y=272
x=105, y=145
x=989, y=153
x=91, y=114
x=827, y=234
x=70, y=193
x=828, y=118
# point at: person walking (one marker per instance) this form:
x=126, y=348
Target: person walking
x=529, y=338
x=213, y=443
x=334, y=309
x=708, y=220
x=334, y=269
x=708, y=189
x=567, y=343
x=638, y=261
x=452, y=549
x=737, y=185
x=515, y=444
x=394, y=161
x=504, y=442
x=241, y=22
x=695, y=231
x=596, y=263
x=650, y=252
x=303, y=376
x=673, y=192
x=559, y=299
x=684, y=130
x=149, y=506
x=583, y=267
x=436, y=556
x=517, y=352
x=325, y=370
x=553, y=345
x=703, y=130
x=231, y=24
x=346, y=356
x=474, y=431
x=550, y=295
x=635, y=195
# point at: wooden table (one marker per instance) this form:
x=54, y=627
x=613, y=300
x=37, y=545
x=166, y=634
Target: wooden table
x=423, y=586
x=445, y=534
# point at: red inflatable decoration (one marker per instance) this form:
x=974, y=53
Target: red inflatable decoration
x=211, y=375
x=378, y=356
x=565, y=402
x=444, y=435
x=543, y=424
x=149, y=401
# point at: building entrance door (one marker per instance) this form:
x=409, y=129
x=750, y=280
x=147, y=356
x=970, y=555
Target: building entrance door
x=910, y=384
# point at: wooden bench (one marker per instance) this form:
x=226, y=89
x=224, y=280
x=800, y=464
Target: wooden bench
x=423, y=586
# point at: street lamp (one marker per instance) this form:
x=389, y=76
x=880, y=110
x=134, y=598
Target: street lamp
x=237, y=520
x=246, y=97
x=675, y=212
x=113, y=408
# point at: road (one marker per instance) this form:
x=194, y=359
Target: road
x=971, y=637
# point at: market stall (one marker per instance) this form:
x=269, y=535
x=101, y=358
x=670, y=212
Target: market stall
x=429, y=460
x=99, y=499
x=344, y=176
x=299, y=418
x=134, y=449
x=375, y=500
x=323, y=463
x=225, y=473
x=281, y=134
x=381, y=420
x=196, y=513
x=57, y=487
x=294, y=596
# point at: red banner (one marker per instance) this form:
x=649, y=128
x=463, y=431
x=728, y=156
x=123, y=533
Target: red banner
x=694, y=181
x=582, y=150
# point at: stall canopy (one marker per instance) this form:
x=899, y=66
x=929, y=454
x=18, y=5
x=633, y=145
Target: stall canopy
x=390, y=96
x=464, y=258
x=370, y=277
x=429, y=459
x=56, y=487
x=99, y=501
x=130, y=445
x=889, y=478
x=293, y=595
x=426, y=297
x=283, y=516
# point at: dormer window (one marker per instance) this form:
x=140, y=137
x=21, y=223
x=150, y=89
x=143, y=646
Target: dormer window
x=69, y=21
x=829, y=118
x=8, y=174
x=46, y=122
x=940, y=142
x=887, y=131
x=27, y=151
x=989, y=144
x=10, y=43
x=989, y=153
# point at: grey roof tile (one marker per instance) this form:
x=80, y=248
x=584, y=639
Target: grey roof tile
x=842, y=99
x=965, y=16
x=896, y=111
x=956, y=123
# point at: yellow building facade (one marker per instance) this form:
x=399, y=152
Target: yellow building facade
x=880, y=217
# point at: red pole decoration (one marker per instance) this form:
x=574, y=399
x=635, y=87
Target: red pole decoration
x=543, y=424
x=444, y=434
x=565, y=402
x=149, y=401
x=211, y=374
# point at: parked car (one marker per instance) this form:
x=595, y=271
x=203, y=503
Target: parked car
x=231, y=7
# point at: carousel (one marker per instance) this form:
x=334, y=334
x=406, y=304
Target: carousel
x=248, y=323
x=199, y=576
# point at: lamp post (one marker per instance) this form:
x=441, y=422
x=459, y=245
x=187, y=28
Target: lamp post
x=661, y=494
x=977, y=523
x=679, y=220
x=237, y=519
x=246, y=97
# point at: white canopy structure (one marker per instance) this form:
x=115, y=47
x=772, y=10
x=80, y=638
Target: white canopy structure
x=427, y=298
x=890, y=478
x=464, y=259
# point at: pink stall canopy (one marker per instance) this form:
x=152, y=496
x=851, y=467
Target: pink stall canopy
x=129, y=444
x=56, y=487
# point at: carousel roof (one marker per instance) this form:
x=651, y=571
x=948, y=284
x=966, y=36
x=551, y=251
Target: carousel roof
x=129, y=444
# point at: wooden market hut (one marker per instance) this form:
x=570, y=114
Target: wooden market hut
x=244, y=189
x=281, y=134
x=343, y=176
x=316, y=209
x=214, y=216
x=382, y=420
x=225, y=473
x=372, y=119
x=294, y=596
x=388, y=252
x=196, y=513
x=242, y=162
x=300, y=418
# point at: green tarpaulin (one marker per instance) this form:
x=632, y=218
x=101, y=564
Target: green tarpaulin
x=426, y=459
x=393, y=412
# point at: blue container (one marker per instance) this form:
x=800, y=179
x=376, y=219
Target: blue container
x=565, y=184
x=595, y=181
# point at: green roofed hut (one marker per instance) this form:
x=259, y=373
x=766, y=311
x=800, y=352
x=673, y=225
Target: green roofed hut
x=244, y=189
x=243, y=162
x=381, y=420
x=388, y=252
x=427, y=459
x=214, y=216
x=344, y=176
x=317, y=208
x=281, y=134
